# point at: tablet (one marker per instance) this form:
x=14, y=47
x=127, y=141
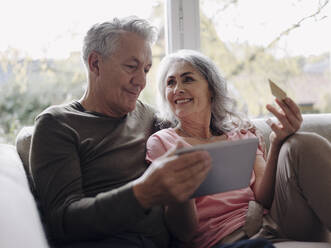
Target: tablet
x=232, y=165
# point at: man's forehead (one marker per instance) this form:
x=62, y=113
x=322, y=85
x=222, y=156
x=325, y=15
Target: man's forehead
x=133, y=47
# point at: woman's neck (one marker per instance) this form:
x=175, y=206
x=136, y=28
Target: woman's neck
x=195, y=129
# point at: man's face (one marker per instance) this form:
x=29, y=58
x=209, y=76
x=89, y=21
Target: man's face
x=122, y=76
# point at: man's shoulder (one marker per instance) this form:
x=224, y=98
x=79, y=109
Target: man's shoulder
x=159, y=122
x=142, y=107
x=58, y=111
x=144, y=112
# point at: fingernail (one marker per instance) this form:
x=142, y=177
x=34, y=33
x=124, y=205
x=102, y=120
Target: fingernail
x=208, y=157
x=269, y=121
x=207, y=163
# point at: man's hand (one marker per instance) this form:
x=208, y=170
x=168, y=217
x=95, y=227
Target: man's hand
x=172, y=178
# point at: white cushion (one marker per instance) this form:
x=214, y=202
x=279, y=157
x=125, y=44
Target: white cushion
x=19, y=218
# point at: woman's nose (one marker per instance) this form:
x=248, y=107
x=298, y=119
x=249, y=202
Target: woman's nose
x=179, y=89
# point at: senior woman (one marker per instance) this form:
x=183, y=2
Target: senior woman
x=195, y=100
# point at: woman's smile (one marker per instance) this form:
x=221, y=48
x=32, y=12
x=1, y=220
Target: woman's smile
x=183, y=100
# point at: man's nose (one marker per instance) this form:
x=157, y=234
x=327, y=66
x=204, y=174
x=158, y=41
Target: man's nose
x=139, y=79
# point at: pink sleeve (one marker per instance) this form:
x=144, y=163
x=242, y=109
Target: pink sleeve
x=259, y=150
x=154, y=148
x=246, y=134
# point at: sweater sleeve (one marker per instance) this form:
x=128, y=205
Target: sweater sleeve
x=57, y=175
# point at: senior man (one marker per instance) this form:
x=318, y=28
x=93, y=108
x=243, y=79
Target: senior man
x=88, y=157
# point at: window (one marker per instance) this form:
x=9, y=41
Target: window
x=251, y=41
x=40, y=45
x=284, y=40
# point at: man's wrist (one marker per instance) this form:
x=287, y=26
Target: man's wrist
x=141, y=195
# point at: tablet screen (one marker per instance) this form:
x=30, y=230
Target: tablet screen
x=232, y=165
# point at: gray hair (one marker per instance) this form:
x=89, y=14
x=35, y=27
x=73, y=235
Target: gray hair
x=103, y=37
x=224, y=116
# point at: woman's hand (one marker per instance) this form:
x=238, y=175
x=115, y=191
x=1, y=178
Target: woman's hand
x=289, y=120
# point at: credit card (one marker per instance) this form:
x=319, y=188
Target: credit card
x=276, y=91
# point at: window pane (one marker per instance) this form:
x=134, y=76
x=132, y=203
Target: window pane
x=284, y=40
x=40, y=47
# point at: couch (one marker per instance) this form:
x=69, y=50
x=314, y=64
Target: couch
x=20, y=222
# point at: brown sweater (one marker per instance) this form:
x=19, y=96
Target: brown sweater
x=82, y=164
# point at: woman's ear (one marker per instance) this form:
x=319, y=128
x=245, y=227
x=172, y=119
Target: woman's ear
x=211, y=94
x=93, y=63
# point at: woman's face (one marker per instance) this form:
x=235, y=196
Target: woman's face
x=187, y=91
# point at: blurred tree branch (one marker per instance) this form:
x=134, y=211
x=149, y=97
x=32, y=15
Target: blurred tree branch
x=287, y=31
x=225, y=7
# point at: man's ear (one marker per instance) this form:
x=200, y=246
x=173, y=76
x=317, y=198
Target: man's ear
x=93, y=63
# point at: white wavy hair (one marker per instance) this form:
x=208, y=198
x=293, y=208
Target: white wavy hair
x=103, y=37
x=224, y=115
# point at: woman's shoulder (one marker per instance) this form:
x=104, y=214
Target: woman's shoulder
x=252, y=132
x=161, y=136
x=164, y=133
x=241, y=134
x=160, y=142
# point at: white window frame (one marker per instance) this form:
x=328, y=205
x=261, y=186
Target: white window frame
x=182, y=25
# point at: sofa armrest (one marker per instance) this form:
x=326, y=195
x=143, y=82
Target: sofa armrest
x=19, y=217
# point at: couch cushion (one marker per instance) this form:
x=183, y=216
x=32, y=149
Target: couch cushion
x=295, y=244
x=23, y=142
x=318, y=123
x=19, y=217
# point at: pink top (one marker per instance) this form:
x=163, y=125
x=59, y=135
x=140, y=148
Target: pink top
x=219, y=214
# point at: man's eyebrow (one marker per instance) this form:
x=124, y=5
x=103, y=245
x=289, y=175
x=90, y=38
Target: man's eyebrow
x=138, y=61
x=135, y=60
